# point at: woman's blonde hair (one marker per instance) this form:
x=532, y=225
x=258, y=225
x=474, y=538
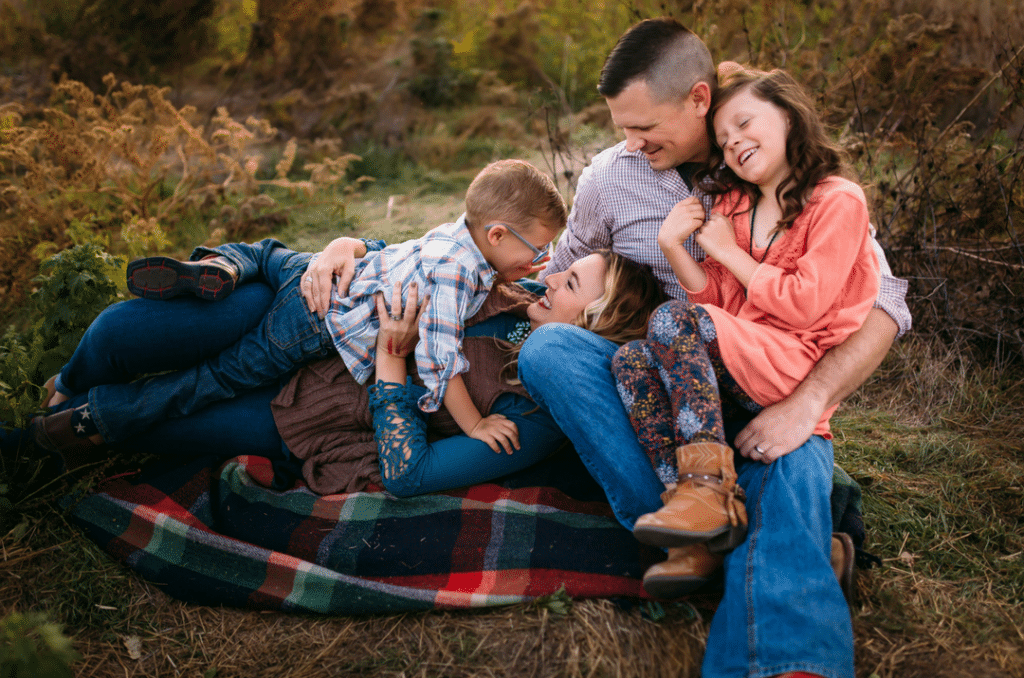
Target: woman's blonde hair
x=631, y=293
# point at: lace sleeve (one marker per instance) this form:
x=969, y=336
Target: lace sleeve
x=399, y=427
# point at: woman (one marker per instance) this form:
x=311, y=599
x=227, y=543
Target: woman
x=604, y=293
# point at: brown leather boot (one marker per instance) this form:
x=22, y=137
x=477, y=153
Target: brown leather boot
x=842, y=563
x=687, y=569
x=54, y=434
x=706, y=506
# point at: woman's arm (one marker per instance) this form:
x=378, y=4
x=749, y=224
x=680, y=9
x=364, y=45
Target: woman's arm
x=410, y=464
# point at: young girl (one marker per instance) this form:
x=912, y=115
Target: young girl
x=790, y=273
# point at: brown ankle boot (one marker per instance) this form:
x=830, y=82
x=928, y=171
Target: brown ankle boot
x=842, y=563
x=706, y=506
x=687, y=569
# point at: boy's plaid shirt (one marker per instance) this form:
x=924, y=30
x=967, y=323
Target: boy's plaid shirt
x=446, y=264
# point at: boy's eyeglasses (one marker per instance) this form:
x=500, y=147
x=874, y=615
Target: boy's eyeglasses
x=538, y=254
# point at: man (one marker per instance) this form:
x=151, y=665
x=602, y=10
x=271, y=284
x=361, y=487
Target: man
x=782, y=609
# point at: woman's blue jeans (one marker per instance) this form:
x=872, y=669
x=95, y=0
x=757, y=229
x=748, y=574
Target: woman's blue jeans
x=140, y=336
x=287, y=336
x=782, y=609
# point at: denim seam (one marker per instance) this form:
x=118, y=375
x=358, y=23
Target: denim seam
x=96, y=418
x=752, y=659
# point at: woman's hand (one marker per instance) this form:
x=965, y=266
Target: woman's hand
x=498, y=432
x=399, y=328
x=685, y=218
x=337, y=259
x=717, y=237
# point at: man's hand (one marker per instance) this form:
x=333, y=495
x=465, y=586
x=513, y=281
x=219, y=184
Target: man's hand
x=337, y=259
x=498, y=432
x=779, y=429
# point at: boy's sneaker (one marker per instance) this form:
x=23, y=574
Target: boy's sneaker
x=162, y=278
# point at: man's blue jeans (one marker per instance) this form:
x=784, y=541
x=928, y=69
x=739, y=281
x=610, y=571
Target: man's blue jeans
x=288, y=336
x=782, y=609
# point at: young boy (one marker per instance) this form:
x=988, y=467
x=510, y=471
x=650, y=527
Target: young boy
x=513, y=212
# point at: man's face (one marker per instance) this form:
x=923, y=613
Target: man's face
x=669, y=133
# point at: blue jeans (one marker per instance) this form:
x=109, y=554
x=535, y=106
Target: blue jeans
x=286, y=337
x=782, y=609
x=140, y=336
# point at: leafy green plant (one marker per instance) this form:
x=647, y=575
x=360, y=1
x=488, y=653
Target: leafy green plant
x=74, y=286
x=32, y=646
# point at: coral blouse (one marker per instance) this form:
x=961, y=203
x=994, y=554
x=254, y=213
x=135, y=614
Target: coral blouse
x=812, y=290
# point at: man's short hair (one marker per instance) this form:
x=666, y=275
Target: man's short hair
x=668, y=56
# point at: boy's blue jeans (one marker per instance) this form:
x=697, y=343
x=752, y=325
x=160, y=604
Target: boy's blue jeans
x=782, y=609
x=140, y=336
x=289, y=336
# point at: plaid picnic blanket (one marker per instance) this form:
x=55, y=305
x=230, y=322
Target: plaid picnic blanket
x=215, y=533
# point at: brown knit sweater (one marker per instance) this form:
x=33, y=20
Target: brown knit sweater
x=324, y=417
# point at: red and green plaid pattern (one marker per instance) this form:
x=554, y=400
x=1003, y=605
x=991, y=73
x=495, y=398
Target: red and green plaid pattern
x=216, y=534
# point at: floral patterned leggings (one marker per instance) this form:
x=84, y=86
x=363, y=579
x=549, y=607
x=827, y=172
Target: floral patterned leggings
x=670, y=384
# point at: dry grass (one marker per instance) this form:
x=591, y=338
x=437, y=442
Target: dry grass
x=595, y=639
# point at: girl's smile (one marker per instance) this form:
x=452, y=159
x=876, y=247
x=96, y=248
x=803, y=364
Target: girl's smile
x=752, y=135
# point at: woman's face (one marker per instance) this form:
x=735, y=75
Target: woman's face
x=569, y=292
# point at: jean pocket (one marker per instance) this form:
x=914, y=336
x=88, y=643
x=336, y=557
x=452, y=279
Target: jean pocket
x=290, y=323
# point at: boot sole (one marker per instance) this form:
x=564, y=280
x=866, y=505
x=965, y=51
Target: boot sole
x=676, y=587
x=718, y=541
x=160, y=278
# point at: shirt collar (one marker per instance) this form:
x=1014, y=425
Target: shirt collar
x=460, y=232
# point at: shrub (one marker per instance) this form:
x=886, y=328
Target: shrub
x=32, y=646
x=127, y=169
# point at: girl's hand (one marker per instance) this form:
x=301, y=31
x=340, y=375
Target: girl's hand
x=496, y=430
x=399, y=328
x=685, y=218
x=717, y=236
x=337, y=259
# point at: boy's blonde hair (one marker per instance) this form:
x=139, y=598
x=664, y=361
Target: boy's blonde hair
x=515, y=193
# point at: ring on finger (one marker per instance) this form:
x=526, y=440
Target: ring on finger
x=757, y=448
x=308, y=279
x=394, y=316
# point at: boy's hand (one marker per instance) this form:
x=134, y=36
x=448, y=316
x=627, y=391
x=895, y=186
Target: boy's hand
x=496, y=430
x=717, y=236
x=685, y=218
x=337, y=259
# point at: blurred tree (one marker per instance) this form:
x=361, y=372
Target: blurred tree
x=86, y=39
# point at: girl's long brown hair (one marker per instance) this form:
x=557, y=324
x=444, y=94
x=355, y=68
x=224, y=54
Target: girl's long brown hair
x=811, y=154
